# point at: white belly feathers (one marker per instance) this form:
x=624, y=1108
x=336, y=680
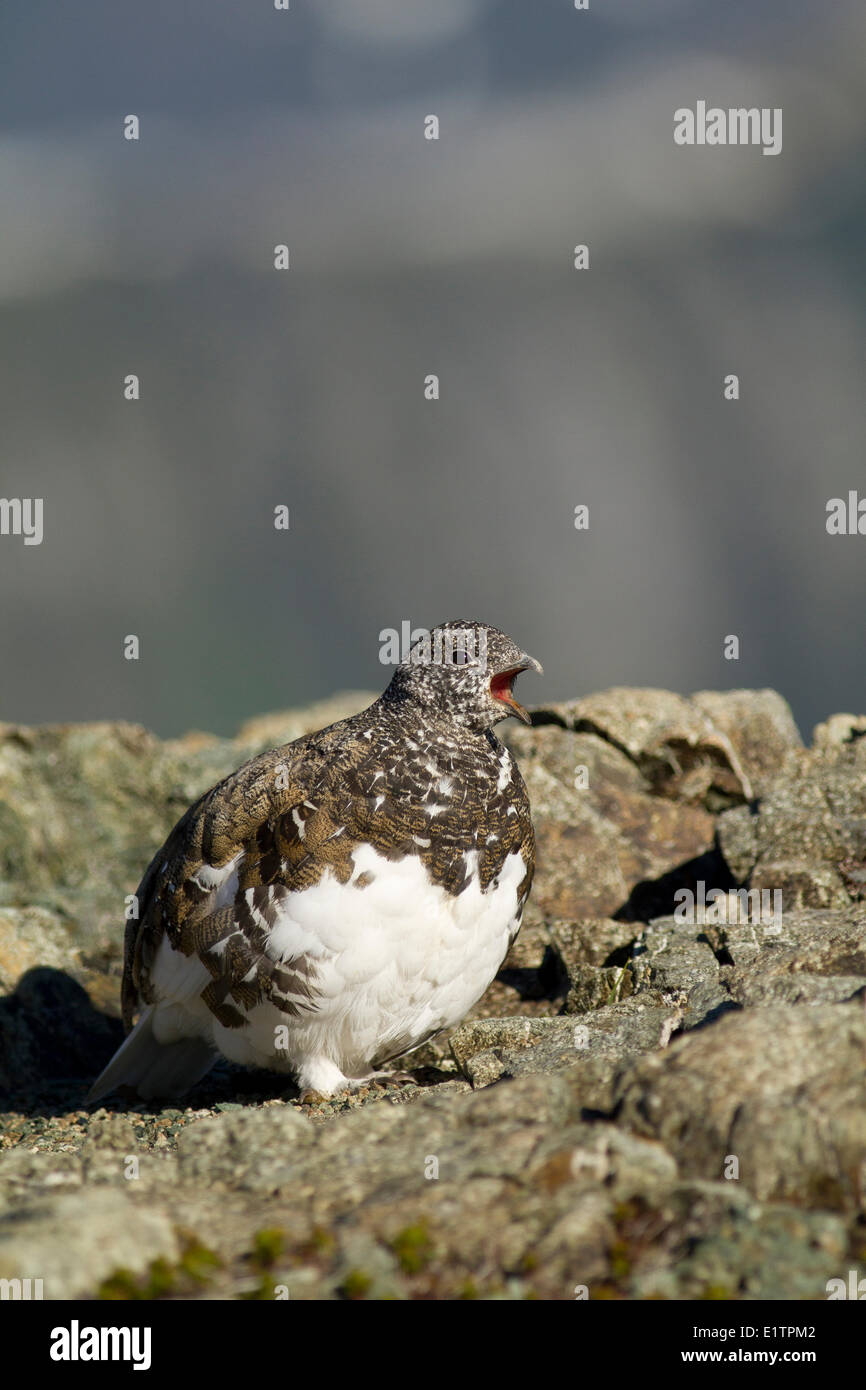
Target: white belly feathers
x=392, y=958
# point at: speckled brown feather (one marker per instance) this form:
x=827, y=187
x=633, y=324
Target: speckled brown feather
x=300, y=810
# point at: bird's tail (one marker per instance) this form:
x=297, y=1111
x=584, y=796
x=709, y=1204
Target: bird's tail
x=152, y=1068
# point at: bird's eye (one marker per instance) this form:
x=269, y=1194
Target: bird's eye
x=459, y=656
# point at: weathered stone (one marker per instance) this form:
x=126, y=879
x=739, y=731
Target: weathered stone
x=597, y=844
x=760, y=727
x=713, y=1240
x=654, y=1108
x=597, y=941
x=672, y=741
x=75, y=1241
x=252, y=1150
x=813, y=957
x=50, y=1031
x=805, y=957
x=782, y=1091
x=807, y=839
x=491, y=1049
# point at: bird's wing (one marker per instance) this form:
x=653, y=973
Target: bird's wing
x=215, y=883
x=220, y=884
x=216, y=888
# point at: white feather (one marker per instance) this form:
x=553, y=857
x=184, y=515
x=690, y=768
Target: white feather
x=394, y=960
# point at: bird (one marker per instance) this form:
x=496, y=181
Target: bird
x=341, y=899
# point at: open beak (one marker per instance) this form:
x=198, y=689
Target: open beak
x=501, y=682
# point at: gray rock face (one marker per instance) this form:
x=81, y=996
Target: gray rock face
x=64, y=1240
x=780, y=1090
x=808, y=837
x=491, y=1049
x=806, y=957
x=659, y=1096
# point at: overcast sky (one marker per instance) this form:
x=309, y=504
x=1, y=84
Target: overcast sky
x=305, y=387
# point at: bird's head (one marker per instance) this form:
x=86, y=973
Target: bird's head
x=463, y=671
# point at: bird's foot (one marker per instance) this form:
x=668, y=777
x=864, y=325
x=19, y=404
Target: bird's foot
x=392, y=1078
x=324, y=1081
x=310, y=1097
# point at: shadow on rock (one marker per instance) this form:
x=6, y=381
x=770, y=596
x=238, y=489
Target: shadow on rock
x=656, y=897
x=546, y=981
x=53, y=1042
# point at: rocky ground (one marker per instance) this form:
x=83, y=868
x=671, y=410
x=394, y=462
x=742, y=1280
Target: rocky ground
x=640, y=1107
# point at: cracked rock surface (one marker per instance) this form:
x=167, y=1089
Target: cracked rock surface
x=663, y=1094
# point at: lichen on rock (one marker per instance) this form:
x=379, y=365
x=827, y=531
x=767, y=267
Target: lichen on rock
x=657, y=1097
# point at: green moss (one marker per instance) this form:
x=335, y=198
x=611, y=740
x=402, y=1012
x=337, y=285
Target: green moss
x=321, y=1245
x=159, y=1281
x=163, y=1279
x=119, y=1286
x=356, y=1284
x=620, y=1261
x=268, y=1245
x=413, y=1248
x=198, y=1262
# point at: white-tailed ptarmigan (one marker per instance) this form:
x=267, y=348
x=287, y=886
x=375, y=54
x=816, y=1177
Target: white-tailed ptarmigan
x=339, y=900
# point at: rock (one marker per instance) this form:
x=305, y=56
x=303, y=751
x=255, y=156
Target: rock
x=709, y=967
x=671, y=740
x=807, y=838
x=839, y=730
x=488, y=1050
x=599, y=843
x=593, y=956
x=74, y=1241
x=33, y=936
x=814, y=957
x=366, y=1269
x=673, y=958
x=760, y=727
x=596, y=942
x=640, y=1106
x=713, y=1240
x=50, y=1032
x=248, y=1150
x=782, y=1091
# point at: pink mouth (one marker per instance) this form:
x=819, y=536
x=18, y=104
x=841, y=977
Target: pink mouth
x=500, y=689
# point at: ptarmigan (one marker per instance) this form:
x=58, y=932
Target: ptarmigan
x=338, y=900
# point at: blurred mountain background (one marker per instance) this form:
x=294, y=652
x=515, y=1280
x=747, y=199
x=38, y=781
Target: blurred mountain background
x=559, y=387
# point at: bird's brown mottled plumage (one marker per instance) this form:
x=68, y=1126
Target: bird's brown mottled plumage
x=252, y=812
x=419, y=774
